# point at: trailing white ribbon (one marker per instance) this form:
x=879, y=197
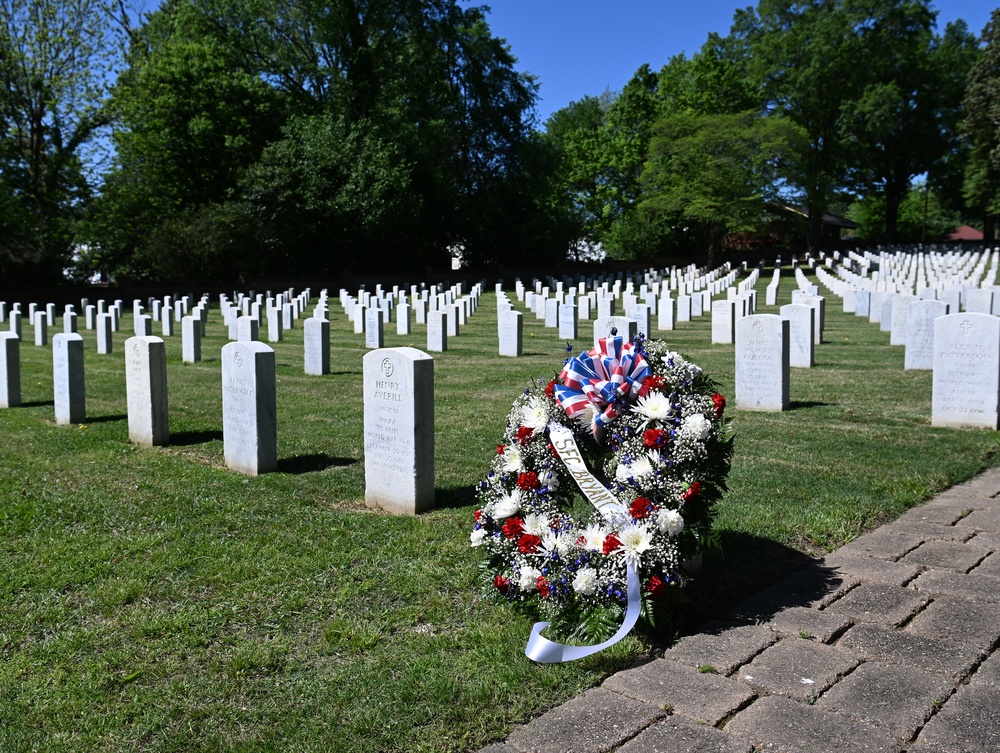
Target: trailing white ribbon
x=539, y=648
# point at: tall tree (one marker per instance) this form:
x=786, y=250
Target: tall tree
x=905, y=120
x=982, y=126
x=56, y=60
x=714, y=174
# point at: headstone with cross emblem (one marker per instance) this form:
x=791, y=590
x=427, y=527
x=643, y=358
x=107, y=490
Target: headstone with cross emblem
x=399, y=430
x=762, y=361
x=965, y=390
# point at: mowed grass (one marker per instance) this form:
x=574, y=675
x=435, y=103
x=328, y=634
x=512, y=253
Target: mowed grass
x=153, y=600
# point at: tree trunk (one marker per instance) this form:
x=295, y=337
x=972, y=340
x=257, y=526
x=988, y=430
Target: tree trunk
x=814, y=235
x=893, y=199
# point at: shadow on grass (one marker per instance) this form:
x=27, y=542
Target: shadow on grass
x=310, y=463
x=107, y=419
x=456, y=496
x=185, y=438
x=797, y=404
x=747, y=581
x=37, y=403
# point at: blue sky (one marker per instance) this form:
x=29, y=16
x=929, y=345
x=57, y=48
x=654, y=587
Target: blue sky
x=581, y=47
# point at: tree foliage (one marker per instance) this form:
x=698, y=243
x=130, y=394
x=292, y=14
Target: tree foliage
x=55, y=60
x=982, y=126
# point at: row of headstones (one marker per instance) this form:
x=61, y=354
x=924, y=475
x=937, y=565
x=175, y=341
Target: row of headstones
x=398, y=401
x=961, y=348
x=965, y=388
x=444, y=312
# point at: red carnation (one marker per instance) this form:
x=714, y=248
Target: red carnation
x=692, y=491
x=528, y=481
x=524, y=434
x=640, y=508
x=649, y=384
x=543, y=586
x=611, y=543
x=654, y=438
x=720, y=404
x=501, y=448
x=477, y=515
x=513, y=528
x=501, y=584
x=656, y=586
x=550, y=389
x=528, y=543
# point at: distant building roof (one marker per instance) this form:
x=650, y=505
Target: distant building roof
x=833, y=220
x=965, y=233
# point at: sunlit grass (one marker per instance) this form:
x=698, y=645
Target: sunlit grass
x=151, y=599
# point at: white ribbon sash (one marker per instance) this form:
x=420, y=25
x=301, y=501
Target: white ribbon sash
x=539, y=648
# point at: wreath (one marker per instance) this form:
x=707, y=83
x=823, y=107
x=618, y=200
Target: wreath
x=650, y=424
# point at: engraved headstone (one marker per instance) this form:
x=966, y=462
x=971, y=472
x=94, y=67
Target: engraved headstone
x=801, y=334
x=510, y=328
x=246, y=329
x=399, y=429
x=627, y=328
x=920, y=316
x=68, y=384
x=143, y=325
x=567, y=321
x=762, y=376
x=639, y=312
x=899, y=317
x=966, y=383
x=723, y=321
x=146, y=391
x=249, y=413
x=374, y=328
x=665, y=314
x=41, y=328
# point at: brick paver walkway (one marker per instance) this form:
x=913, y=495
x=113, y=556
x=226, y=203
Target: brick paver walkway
x=889, y=644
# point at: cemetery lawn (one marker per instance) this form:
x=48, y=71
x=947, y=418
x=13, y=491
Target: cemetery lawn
x=152, y=600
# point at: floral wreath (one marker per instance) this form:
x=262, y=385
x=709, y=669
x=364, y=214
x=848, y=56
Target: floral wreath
x=652, y=423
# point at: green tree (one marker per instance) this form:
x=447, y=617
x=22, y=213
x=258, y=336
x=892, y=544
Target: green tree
x=56, y=57
x=714, y=174
x=982, y=127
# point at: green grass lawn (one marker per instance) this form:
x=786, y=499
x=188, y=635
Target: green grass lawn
x=151, y=599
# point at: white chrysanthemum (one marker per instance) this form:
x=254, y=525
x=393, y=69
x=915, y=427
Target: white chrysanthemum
x=477, y=536
x=696, y=426
x=537, y=525
x=585, y=581
x=635, y=539
x=535, y=415
x=508, y=504
x=669, y=522
x=593, y=537
x=560, y=543
x=654, y=407
x=640, y=467
x=512, y=460
x=528, y=580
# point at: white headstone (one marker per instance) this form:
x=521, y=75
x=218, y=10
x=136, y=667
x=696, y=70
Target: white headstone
x=510, y=328
x=105, y=331
x=723, y=320
x=146, y=391
x=399, y=429
x=437, y=331
x=920, y=316
x=190, y=340
x=403, y=319
x=68, y=384
x=762, y=377
x=41, y=328
x=249, y=413
x=801, y=334
x=316, y=340
x=246, y=329
x=665, y=314
x=143, y=325
x=966, y=382
x=10, y=370
x=899, y=317
x=683, y=308
x=374, y=328
x=627, y=328
x=639, y=312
